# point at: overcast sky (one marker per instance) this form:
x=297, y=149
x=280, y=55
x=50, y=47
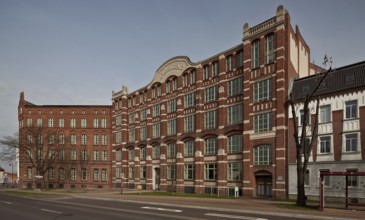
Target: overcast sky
x=78, y=51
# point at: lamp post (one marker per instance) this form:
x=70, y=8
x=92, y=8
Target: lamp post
x=12, y=171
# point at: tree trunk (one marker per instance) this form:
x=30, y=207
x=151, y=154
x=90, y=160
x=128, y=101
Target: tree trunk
x=300, y=182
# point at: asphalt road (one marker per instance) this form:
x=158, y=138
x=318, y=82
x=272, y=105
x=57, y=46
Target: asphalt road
x=19, y=208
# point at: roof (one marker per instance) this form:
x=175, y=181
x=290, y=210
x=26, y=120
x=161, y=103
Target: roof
x=1, y=169
x=345, y=78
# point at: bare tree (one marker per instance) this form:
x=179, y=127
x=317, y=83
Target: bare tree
x=9, y=146
x=305, y=140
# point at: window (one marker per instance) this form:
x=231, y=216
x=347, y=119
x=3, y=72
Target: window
x=351, y=142
x=103, y=122
x=131, y=154
x=302, y=117
x=29, y=172
x=210, y=94
x=73, y=123
x=325, y=114
x=189, y=149
x=171, y=106
x=104, y=155
x=83, y=174
x=263, y=155
x=118, y=137
x=51, y=139
x=171, y=150
x=215, y=69
x=143, y=115
x=159, y=90
x=84, y=155
x=234, y=171
x=132, y=135
x=83, y=123
x=256, y=54
x=351, y=109
x=239, y=57
x=96, y=175
x=171, y=172
x=206, y=72
x=189, y=123
x=307, y=178
x=156, y=130
x=189, y=100
x=118, y=120
x=193, y=77
x=39, y=122
x=96, y=139
x=29, y=122
x=325, y=144
x=142, y=172
x=131, y=171
x=235, y=144
x=61, y=138
x=73, y=174
x=104, y=139
x=103, y=175
x=352, y=181
x=118, y=172
x=156, y=152
x=50, y=123
x=263, y=122
x=143, y=153
x=171, y=127
x=189, y=171
x=51, y=173
x=210, y=146
x=96, y=155
x=83, y=139
x=211, y=171
x=73, y=154
x=132, y=118
x=235, y=87
x=119, y=155
x=143, y=133
x=269, y=48
x=235, y=114
x=210, y=119
x=185, y=80
x=61, y=122
x=326, y=179
x=168, y=86
x=61, y=154
x=96, y=122
x=156, y=110
x=229, y=65
x=174, y=84
x=262, y=90
x=62, y=173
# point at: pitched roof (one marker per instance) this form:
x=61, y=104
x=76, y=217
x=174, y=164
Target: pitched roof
x=344, y=78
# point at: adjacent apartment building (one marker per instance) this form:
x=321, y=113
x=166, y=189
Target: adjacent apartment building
x=340, y=145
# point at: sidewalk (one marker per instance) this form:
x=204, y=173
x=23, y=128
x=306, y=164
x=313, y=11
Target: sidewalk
x=240, y=205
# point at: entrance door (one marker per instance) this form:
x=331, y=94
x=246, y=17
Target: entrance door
x=264, y=186
x=157, y=178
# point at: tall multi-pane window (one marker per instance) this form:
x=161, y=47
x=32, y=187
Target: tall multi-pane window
x=156, y=152
x=171, y=172
x=61, y=173
x=73, y=174
x=103, y=122
x=234, y=171
x=119, y=155
x=255, y=54
x=352, y=181
x=215, y=68
x=263, y=90
x=171, y=150
x=351, y=109
x=229, y=64
x=84, y=174
x=325, y=144
x=143, y=172
x=210, y=94
x=73, y=139
x=131, y=154
x=235, y=87
x=326, y=179
x=29, y=172
x=39, y=122
x=104, y=155
x=174, y=84
x=156, y=130
x=50, y=123
x=61, y=154
x=29, y=122
x=189, y=148
x=269, y=49
x=189, y=123
x=171, y=127
x=96, y=139
x=51, y=139
x=143, y=153
x=239, y=57
x=61, y=122
x=168, y=86
x=96, y=122
x=206, y=72
x=235, y=114
x=118, y=172
x=171, y=106
x=96, y=155
x=153, y=93
x=61, y=138
x=143, y=133
x=118, y=120
x=325, y=114
x=131, y=171
x=132, y=135
x=73, y=123
x=84, y=155
x=118, y=137
x=156, y=110
x=159, y=90
x=104, y=175
x=104, y=139
x=132, y=118
x=301, y=117
x=211, y=171
x=351, y=141
x=96, y=175
x=263, y=122
x=189, y=171
x=83, y=139
x=83, y=123
x=210, y=147
x=143, y=115
x=73, y=154
x=263, y=155
x=234, y=144
x=210, y=119
x=193, y=77
x=51, y=173
x=189, y=100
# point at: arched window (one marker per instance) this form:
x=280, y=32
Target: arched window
x=210, y=146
